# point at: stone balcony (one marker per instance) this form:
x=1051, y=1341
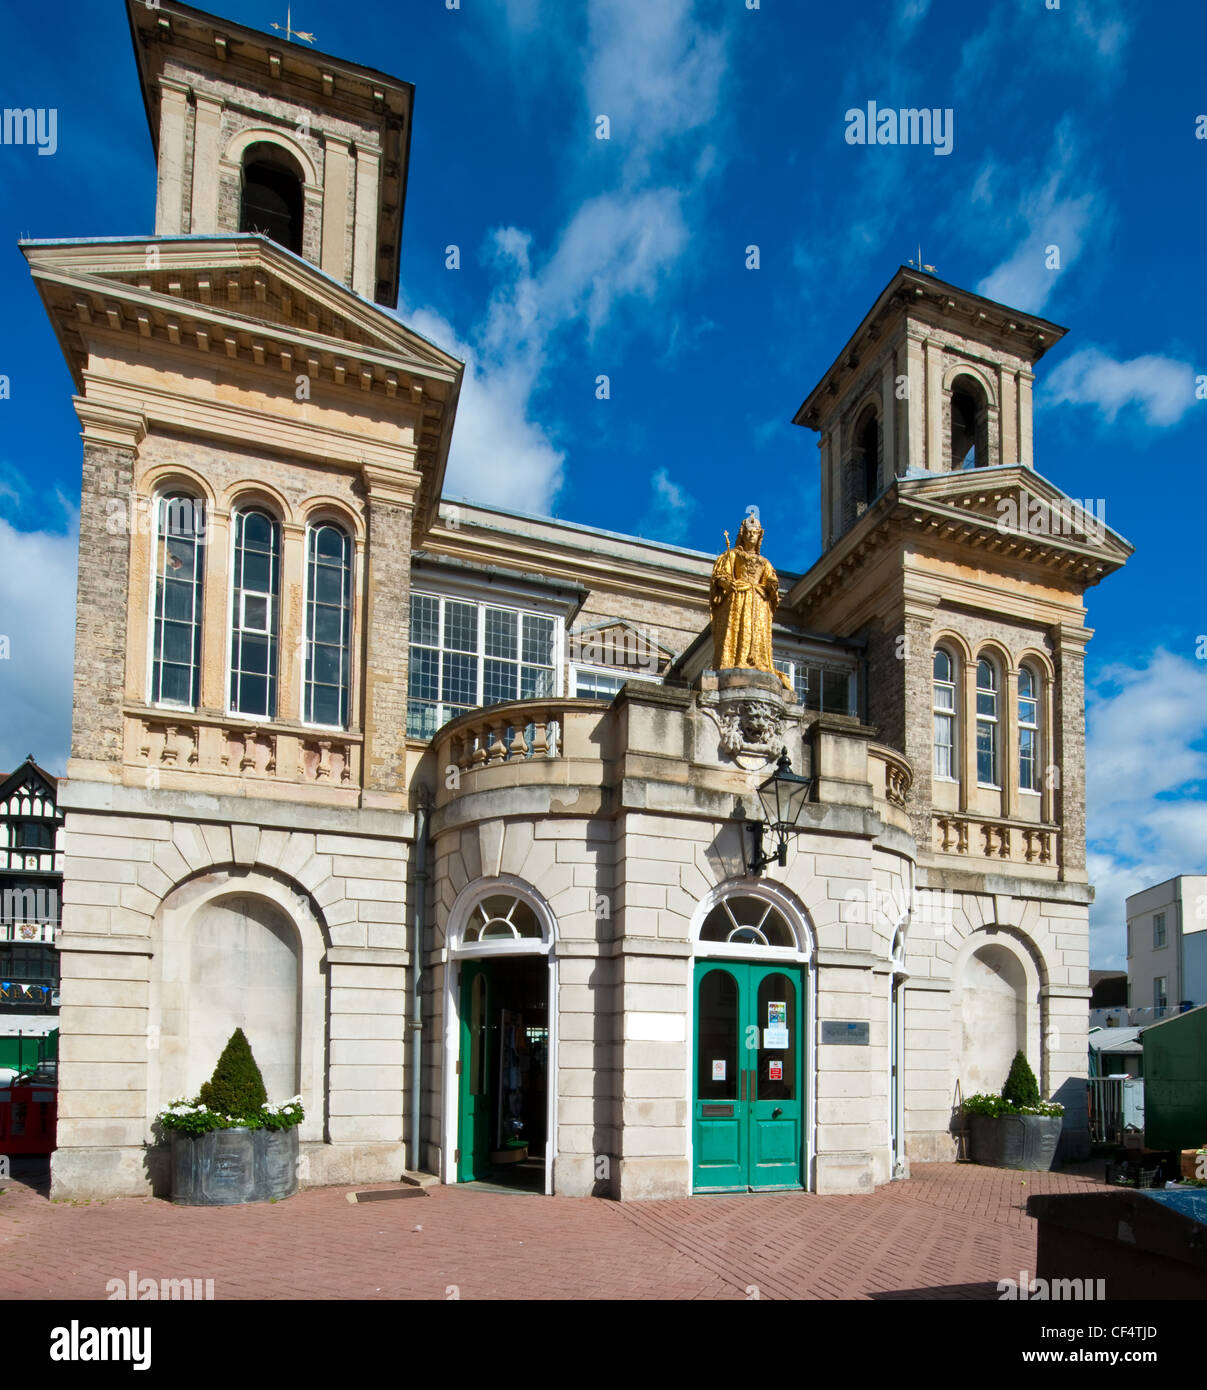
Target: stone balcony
x=187, y=749
x=977, y=837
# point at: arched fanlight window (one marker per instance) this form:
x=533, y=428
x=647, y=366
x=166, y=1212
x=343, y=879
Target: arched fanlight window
x=502, y=917
x=987, y=724
x=179, y=582
x=744, y=920
x=944, y=701
x=255, y=614
x=272, y=202
x=328, y=625
x=1028, y=730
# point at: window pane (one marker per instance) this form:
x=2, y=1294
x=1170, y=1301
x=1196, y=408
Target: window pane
x=499, y=681
x=538, y=639
x=945, y=697
x=986, y=676
x=1026, y=711
x=176, y=621
x=501, y=626
x=1026, y=683
x=425, y=620
x=459, y=685
x=1026, y=759
x=986, y=754
x=835, y=692
x=460, y=626
x=425, y=675
x=536, y=682
x=942, y=666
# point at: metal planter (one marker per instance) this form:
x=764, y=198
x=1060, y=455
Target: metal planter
x=227, y=1167
x=1024, y=1142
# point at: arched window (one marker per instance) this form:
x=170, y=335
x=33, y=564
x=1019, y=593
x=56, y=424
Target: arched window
x=271, y=202
x=944, y=714
x=255, y=614
x=328, y=625
x=867, y=453
x=969, y=424
x=1028, y=730
x=742, y=920
x=987, y=724
x=502, y=916
x=179, y=580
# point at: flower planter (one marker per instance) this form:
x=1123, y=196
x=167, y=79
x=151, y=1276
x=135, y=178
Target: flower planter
x=1023, y=1142
x=227, y=1167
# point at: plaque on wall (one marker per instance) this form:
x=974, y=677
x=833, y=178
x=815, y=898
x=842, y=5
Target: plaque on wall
x=833, y=1032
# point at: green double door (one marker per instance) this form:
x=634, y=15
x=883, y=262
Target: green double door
x=748, y=1111
x=473, y=1140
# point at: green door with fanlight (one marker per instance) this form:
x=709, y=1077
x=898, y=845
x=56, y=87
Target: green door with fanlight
x=473, y=1066
x=748, y=1113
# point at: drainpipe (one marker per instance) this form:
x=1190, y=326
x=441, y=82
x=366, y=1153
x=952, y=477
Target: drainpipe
x=416, y=1010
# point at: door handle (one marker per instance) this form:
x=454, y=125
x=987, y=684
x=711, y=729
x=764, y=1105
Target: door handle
x=777, y=1112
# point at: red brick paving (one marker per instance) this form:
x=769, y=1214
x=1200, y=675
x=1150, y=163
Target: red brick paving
x=950, y=1231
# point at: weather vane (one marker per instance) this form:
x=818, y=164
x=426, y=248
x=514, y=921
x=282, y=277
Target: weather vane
x=918, y=265
x=290, y=32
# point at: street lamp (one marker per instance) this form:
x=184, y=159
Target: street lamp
x=783, y=796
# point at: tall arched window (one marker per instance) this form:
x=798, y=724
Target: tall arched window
x=867, y=449
x=969, y=424
x=255, y=614
x=328, y=625
x=179, y=581
x=271, y=201
x=1028, y=730
x=987, y=724
x=944, y=714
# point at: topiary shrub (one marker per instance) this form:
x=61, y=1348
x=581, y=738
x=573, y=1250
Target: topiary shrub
x=1021, y=1088
x=236, y=1087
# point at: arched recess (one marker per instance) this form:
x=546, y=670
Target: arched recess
x=496, y=919
x=996, y=1008
x=269, y=135
x=971, y=406
x=240, y=948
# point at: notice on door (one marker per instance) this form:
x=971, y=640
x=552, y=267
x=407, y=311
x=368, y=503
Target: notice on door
x=775, y=1035
x=775, y=1071
x=718, y=1069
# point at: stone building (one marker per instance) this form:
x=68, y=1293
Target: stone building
x=440, y=803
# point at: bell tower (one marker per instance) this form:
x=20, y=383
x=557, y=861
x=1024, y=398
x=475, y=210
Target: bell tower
x=934, y=380
x=254, y=134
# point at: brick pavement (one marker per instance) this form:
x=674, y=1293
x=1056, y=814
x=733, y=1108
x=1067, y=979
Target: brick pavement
x=951, y=1231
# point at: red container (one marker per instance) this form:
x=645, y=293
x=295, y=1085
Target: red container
x=28, y=1119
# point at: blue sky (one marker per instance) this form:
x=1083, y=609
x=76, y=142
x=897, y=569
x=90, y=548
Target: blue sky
x=580, y=257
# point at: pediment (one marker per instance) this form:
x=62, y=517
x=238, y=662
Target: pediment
x=619, y=645
x=220, y=289
x=1017, y=504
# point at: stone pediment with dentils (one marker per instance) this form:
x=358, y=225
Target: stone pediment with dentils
x=1014, y=512
x=228, y=296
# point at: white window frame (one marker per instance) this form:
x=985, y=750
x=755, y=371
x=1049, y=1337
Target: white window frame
x=232, y=550
x=612, y=672
x=482, y=602
x=951, y=714
x=993, y=720
x=1159, y=924
x=1035, y=727
x=157, y=500
x=317, y=524
x=788, y=661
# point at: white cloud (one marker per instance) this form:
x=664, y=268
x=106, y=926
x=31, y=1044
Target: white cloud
x=670, y=511
x=1145, y=778
x=1057, y=212
x=654, y=71
x=37, y=616
x=500, y=455
x=1161, y=387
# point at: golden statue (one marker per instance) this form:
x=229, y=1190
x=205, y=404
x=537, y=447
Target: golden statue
x=744, y=595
